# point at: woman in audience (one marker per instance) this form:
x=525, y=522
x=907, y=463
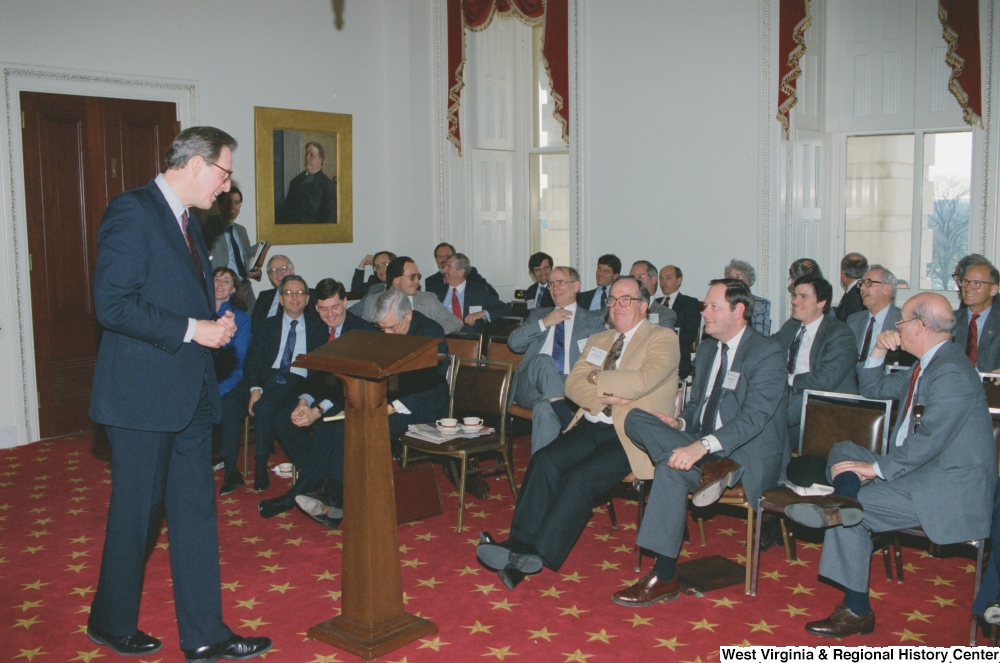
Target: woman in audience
x=744, y=271
x=800, y=268
x=229, y=358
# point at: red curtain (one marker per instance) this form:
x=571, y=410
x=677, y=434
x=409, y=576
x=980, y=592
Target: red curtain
x=794, y=19
x=960, y=21
x=476, y=15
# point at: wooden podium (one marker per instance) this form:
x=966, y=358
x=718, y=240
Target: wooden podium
x=372, y=621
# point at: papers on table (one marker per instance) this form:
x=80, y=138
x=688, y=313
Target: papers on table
x=430, y=433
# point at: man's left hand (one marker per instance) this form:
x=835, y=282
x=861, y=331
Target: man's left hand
x=864, y=470
x=228, y=320
x=614, y=400
x=472, y=317
x=684, y=458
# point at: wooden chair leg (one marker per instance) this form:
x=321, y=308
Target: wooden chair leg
x=701, y=532
x=788, y=538
x=749, y=548
x=755, y=555
x=611, y=514
x=886, y=558
x=403, y=460
x=899, y=558
x=638, y=523
x=461, y=492
x=510, y=474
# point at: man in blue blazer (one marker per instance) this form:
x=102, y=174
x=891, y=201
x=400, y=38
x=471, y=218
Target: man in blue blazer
x=471, y=299
x=436, y=280
x=155, y=392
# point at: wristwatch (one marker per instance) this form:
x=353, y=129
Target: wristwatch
x=321, y=409
x=708, y=445
x=592, y=378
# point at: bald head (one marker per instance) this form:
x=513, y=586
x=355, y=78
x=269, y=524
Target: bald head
x=936, y=322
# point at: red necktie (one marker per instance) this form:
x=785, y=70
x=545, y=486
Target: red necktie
x=333, y=334
x=666, y=301
x=189, y=238
x=972, y=344
x=913, y=383
x=456, y=308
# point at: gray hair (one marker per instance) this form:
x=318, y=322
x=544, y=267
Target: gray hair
x=651, y=270
x=574, y=275
x=275, y=257
x=888, y=277
x=970, y=261
x=935, y=321
x=204, y=142
x=391, y=301
x=292, y=277
x=744, y=268
x=461, y=262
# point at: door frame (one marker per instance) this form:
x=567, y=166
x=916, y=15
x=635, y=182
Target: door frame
x=19, y=395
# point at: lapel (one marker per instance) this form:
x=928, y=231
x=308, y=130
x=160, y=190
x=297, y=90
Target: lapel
x=178, y=243
x=636, y=345
x=822, y=332
x=991, y=327
x=471, y=297
x=703, y=367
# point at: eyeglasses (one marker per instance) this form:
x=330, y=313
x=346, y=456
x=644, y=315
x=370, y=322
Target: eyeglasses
x=900, y=323
x=869, y=282
x=293, y=293
x=391, y=328
x=413, y=277
x=278, y=270
x=562, y=284
x=975, y=285
x=624, y=300
x=228, y=173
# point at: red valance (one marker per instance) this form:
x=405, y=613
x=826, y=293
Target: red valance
x=794, y=19
x=960, y=21
x=477, y=15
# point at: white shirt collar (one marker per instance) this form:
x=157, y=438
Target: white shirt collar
x=734, y=342
x=814, y=325
x=176, y=206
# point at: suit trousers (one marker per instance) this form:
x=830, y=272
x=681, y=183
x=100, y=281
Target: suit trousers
x=561, y=485
x=234, y=411
x=989, y=591
x=275, y=399
x=150, y=470
x=316, y=451
x=296, y=440
x=538, y=381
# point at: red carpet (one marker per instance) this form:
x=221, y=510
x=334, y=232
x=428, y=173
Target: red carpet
x=283, y=575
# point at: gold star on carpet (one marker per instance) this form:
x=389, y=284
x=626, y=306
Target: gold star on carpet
x=26, y=623
x=799, y=589
x=478, y=514
x=282, y=588
x=799, y=562
x=78, y=499
x=500, y=652
x=4, y=507
x=402, y=660
x=43, y=521
x=911, y=568
x=79, y=553
x=474, y=542
x=266, y=553
x=39, y=533
x=294, y=542
x=503, y=605
x=773, y=575
x=671, y=644
x=228, y=500
x=602, y=537
x=81, y=540
x=254, y=623
x=28, y=605
x=249, y=603
x=468, y=570
x=30, y=654
x=412, y=563
x=577, y=656
x=729, y=531
x=479, y=628
x=916, y=614
x=405, y=548
x=724, y=603
x=320, y=658
x=77, y=567
x=762, y=626
x=969, y=568
x=406, y=598
x=425, y=537
x=544, y=634
x=703, y=624
x=876, y=595
x=238, y=522
x=253, y=540
x=430, y=582
x=87, y=657
x=287, y=526
x=553, y=592
x=496, y=497
x=38, y=584
x=84, y=609
x=326, y=575
x=81, y=489
x=232, y=512
x=163, y=546
x=684, y=553
x=272, y=569
x=33, y=549
x=636, y=620
x=938, y=580
x=232, y=586
x=907, y=634
x=82, y=591
x=602, y=635
x=606, y=565
x=434, y=644
x=697, y=659
x=572, y=610
x=629, y=526
x=572, y=577
x=622, y=549
x=942, y=603
x=75, y=512
x=795, y=612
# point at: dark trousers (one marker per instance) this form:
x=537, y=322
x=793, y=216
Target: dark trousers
x=562, y=482
x=296, y=440
x=150, y=470
x=234, y=411
x=317, y=452
x=275, y=399
x=989, y=591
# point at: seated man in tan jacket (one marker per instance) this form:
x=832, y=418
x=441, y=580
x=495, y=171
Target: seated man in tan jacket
x=633, y=365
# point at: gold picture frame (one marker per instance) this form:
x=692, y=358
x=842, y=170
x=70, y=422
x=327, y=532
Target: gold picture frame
x=298, y=203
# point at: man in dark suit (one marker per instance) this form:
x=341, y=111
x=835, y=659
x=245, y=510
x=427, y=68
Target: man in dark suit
x=436, y=280
x=732, y=429
x=852, y=268
x=229, y=244
x=658, y=314
x=267, y=370
x=878, y=290
x=278, y=267
x=688, y=310
x=609, y=266
x=939, y=472
x=156, y=394
x=378, y=261
x=469, y=301
x=977, y=326
x=321, y=395
x=312, y=196
x=632, y=365
x=538, y=295
x=551, y=340
x=404, y=275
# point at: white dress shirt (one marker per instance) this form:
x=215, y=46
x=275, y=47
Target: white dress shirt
x=177, y=207
x=567, y=336
x=805, y=348
x=300, y=342
x=734, y=343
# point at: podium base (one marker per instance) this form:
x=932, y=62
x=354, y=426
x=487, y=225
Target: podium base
x=371, y=643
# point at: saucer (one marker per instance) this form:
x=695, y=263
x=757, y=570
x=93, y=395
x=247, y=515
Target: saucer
x=472, y=429
x=449, y=429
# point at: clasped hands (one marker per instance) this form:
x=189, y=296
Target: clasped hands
x=682, y=458
x=215, y=333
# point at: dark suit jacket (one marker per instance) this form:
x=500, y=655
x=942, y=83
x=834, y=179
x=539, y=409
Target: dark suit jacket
x=948, y=463
x=266, y=298
x=850, y=303
x=859, y=325
x=754, y=431
x=359, y=285
x=146, y=287
x=326, y=386
x=832, y=361
x=688, y=310
x=532, y=292
x=476, y=294
x=425, y=392
x=266, y=342
x=436, y=280
x=988, y=358
x=584, y=299
x=311, y=198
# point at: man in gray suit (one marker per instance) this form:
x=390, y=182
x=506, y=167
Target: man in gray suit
x=819, y=349
x=939, y=472
x=404, y=275
x=658, y=314
x=977, y=326
x=732, y=429
x=878, y=290
x=551, y=340
x=229, y=243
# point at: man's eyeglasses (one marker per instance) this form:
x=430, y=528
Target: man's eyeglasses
x=900, y=323
x=975, y=285
x=562, y=284
x=413, y=277
x=869, y=282
x=293, y=293
x=228, y=173
x=278, y=270
x=624, y=300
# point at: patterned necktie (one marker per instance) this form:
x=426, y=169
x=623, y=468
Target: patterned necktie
x=192, y=246
x=333, y=334
x=559, y=347
x=793, y=351
x=604, y=296
x=539, y=295
x=286, y=355
x=666, y=301
x=913, y=383
x=712, y=407
x=241, y=269
x=972, y=344
x=456, y=307
x=611, y=363
x=867, y=345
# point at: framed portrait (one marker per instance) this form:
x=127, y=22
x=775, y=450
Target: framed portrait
x=303, y=161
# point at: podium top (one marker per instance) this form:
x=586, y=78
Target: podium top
x=372, y=355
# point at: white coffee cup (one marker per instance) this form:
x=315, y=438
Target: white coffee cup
x=447, y=423
x=472, y=422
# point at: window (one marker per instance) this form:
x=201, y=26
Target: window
x=907, y=203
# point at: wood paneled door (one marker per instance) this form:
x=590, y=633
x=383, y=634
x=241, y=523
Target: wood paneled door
x=79, y=153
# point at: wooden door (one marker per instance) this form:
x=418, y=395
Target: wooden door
x=79, y=152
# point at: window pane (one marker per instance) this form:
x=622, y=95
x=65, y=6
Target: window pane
x=879, y=200
x=944, y=219
x=550, y=206
x=548, y=132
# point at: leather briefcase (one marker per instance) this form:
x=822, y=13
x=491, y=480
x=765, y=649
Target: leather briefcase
x=418, y=494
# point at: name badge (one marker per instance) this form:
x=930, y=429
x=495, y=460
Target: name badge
x=732, y=377
x=654, y=318
x=475, y=309
x=581, y=344
x=531, y=304
x=596, y=356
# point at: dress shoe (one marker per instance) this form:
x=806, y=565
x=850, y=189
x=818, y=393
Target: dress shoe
x=826, y=511
x=992, y=613
x=137, y=644
x=842, y=623
x=770, y=532
x=475, y=484
x=716, y=476
x=261, y=478
x=272, y=507
x=231, y=482
x=648, y=591
x=510, y=577
x=499, y=556
x=236, y=648
x=321, y=508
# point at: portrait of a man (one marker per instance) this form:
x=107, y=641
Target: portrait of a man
x=306, y=196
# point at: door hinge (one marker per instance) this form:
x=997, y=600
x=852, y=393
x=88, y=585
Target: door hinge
x=38, y=395
x=23, y=123
x=114, y=168
x=31, y=264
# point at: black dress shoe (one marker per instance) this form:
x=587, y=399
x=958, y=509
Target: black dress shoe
x=826, y=511
x=236, y=648
x=261, y=478
x=137, y=644
x=272, y=507
x=499, y=556
x=770, y=532
x=231, y=482
x=510, y=577
x=321, y=508
x=842, y=623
